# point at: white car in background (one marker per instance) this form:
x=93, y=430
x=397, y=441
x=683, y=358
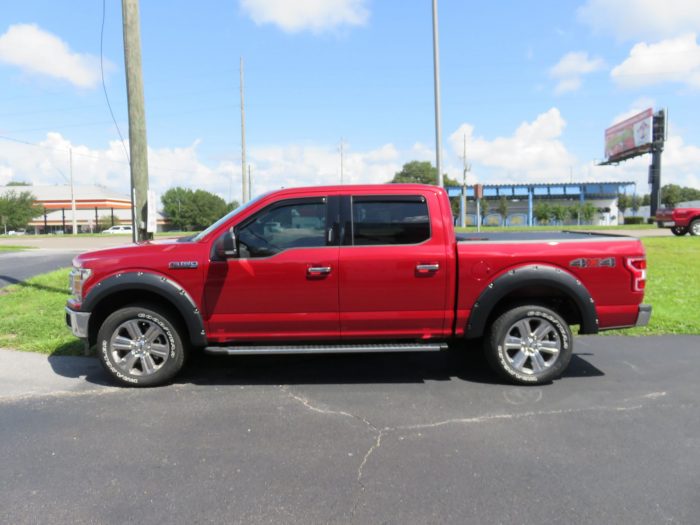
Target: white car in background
x=119, y=229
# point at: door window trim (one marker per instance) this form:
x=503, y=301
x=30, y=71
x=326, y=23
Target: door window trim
x=332, y=229
x=347, y=220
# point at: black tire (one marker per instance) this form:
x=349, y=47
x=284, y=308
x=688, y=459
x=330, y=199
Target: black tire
x=141, y=346
x=694, y=227
x=679, y=230
x=531, y=358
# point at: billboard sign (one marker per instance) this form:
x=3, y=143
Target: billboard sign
x=630, y=136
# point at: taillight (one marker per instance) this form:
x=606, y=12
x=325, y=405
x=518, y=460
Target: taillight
x=638, y=267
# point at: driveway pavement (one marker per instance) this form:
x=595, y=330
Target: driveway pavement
x=357, y=439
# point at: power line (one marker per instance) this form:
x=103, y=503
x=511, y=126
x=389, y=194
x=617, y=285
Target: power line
x=102, y=74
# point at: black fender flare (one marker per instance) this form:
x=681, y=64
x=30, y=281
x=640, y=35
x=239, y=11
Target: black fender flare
x=160, y=285
x=532, y=275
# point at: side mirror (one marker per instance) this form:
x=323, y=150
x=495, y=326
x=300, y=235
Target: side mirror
x=230, y=244
x=226, y=246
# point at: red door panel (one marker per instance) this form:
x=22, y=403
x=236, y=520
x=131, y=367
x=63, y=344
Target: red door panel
x=292, y=295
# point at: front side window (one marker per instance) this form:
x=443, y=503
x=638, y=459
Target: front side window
x=299, y=224
x=389, y=220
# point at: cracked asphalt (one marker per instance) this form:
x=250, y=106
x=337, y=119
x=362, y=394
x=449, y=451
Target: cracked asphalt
x=363, y=439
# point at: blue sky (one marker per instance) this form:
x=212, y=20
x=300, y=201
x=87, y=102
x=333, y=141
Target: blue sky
x=532, y=86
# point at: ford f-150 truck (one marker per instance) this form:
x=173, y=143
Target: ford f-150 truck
x=374, y=268
x=680, y=220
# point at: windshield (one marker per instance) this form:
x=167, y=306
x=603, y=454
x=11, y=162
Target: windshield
x=201, y=235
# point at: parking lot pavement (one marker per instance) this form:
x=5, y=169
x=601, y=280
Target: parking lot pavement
x=363, y=439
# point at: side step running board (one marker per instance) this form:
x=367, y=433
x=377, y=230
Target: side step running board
x=325, y=349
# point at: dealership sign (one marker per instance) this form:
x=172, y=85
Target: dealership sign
x=631, y=135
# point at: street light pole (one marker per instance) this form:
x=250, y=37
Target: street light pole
x=436, y=75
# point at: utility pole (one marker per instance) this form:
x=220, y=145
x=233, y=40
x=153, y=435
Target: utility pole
x=138, y=146
x=72, y=195
x=246, y=195
x=463, y=199
x=341, y=160
x=436, y=76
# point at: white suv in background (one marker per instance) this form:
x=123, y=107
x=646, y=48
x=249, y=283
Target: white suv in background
x=119, y=229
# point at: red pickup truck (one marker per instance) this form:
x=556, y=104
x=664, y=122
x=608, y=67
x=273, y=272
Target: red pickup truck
x=680, y=220
x=353, y=269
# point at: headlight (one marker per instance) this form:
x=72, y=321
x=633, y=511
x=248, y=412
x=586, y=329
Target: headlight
x=77, y=278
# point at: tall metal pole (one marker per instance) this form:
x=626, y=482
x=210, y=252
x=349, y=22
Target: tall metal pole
x=341, y=160
x=436, y=74
x=72, y=195
x=246, y=195
x=138, y=147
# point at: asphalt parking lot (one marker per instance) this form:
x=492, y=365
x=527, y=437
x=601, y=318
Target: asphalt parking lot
x=357, y=439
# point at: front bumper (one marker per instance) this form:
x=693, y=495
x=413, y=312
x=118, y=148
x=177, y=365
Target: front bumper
x=644, y=315
x=78, y=322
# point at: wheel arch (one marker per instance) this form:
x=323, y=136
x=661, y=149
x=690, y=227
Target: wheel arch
x=127, y=288
x=544, y=285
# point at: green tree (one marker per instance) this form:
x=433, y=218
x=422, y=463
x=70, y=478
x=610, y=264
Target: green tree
x=588, y=212
x=483, y=209
x=18, y=183
x=104, y=222
x=635, y=203
x=423, y=172
x=558, y=213
x=623, y=202
x=503, y=208
x=542, y=212
x=573, y=212
x=17, y=209
x=671, y=194
x=192, y=210
x=646, y=200
x=420, y=172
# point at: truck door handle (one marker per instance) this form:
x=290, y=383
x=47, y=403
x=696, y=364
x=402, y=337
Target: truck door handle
x=426, y=268
x=315, y=271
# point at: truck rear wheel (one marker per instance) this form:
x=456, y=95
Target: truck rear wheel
x=529, y=345
x=679, y=230
x=694, y=227
x=140, y=346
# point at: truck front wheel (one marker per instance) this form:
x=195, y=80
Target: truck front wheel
x=529, y=345
x=140, y=346
x=679, y=230
x=694, y=227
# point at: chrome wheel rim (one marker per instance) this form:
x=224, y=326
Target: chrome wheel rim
x=139, y=347
x=531, y=346
x=695, y=227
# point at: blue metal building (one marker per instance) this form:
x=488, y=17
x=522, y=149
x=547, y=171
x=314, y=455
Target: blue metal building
x=549, y=191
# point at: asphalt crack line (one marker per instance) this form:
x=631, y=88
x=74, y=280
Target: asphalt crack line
x=60, y=394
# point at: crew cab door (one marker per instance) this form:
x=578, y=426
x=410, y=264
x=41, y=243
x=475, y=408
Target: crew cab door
x=283, y=284
x=393, y=268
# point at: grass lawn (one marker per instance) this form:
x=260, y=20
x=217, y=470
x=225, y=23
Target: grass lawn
x=11, y=248
x=32, y=315
x=673, y=286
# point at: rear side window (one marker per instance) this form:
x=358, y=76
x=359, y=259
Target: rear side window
x=378, y=220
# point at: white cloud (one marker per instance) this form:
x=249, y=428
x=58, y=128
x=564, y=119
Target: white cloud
x=534, y=152
x=273, y=167
x=34, y=50
x=629, y=19
x=674, y=60
x=316, y=16
x=569, y=70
